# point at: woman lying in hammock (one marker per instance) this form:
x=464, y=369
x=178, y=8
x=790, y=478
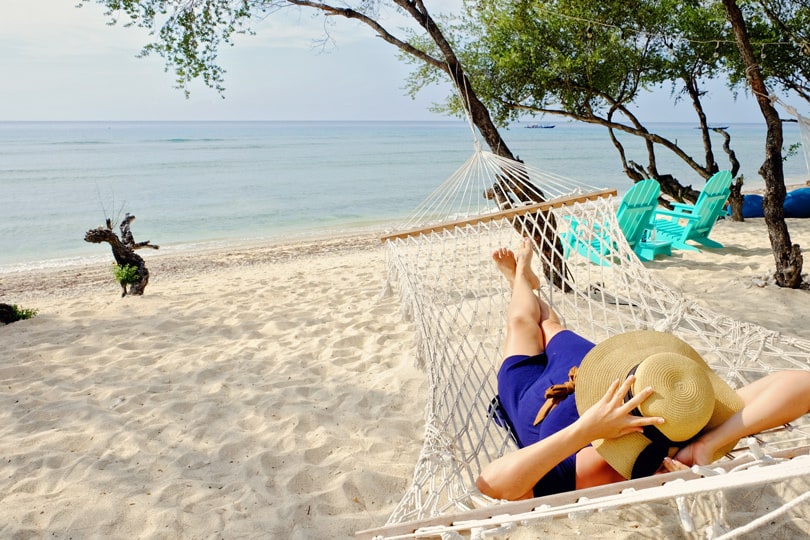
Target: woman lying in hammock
x=644, y=402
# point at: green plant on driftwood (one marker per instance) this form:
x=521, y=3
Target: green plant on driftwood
x=126, y=275
x=130, y=268
x=10, y=313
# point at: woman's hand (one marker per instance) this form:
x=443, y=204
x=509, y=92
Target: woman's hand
x=611, y=417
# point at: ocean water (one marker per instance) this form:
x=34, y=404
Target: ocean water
x=197, y=183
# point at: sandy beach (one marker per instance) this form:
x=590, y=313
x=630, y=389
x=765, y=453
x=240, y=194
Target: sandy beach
x=257, y=392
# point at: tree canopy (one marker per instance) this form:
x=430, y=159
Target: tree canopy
x=591, y=61
x=779, y=31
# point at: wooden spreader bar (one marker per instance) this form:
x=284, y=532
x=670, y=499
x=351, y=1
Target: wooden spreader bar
x=502, y=214
x=560, y=499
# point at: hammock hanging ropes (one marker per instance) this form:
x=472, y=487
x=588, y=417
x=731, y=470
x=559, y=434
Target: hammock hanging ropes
x=804, y=129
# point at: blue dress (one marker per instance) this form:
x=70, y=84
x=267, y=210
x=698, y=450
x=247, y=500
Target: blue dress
x=522, y=384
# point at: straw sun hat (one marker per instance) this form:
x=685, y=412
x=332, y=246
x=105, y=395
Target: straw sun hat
x=687, y=394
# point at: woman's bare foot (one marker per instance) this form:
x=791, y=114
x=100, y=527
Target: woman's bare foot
x=505, y=262
x=508, y=263
x=524, y=263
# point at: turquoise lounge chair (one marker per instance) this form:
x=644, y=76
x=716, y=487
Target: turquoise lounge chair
x=694, y=222
x=634, y=216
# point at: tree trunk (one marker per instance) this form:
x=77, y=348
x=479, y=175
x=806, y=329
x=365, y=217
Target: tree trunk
x=735, y=200
x=787, y=256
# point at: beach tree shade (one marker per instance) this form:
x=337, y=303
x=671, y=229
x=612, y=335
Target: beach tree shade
x=591, y=61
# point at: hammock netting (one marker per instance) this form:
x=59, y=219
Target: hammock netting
x=440, y=263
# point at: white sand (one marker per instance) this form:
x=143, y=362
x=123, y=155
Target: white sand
x=269, y=393
x=737, y=280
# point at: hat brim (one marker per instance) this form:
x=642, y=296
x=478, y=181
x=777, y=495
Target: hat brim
x=615, y=358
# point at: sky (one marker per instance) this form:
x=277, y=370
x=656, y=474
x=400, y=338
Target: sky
x=59, y=62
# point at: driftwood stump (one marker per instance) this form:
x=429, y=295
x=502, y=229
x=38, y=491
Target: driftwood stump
x=7, y=314
x=123, y=250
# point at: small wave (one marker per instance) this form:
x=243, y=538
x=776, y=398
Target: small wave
x=49, y=264
x=193, y=140
x=76, y=143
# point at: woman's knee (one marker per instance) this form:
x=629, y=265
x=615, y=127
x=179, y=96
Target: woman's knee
x=792, y=387
x=523, y=336
x=522, y=322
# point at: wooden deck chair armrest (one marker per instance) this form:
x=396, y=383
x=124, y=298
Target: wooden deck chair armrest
x=683, y=207
x=677, y=215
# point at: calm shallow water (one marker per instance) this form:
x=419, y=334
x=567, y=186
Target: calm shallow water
x=191, y=183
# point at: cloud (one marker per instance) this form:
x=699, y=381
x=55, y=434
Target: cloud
x=59, y=29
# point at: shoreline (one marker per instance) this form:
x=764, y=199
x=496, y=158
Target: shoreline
x=96, y=276
x=70, y=280
x=180, y=249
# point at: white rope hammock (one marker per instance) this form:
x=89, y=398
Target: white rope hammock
x=440, y=262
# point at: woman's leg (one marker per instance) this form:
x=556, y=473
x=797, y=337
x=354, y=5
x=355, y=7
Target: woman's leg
x=530, y=321
x=770, y=402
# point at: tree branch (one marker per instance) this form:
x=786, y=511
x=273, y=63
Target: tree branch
x=381, y=31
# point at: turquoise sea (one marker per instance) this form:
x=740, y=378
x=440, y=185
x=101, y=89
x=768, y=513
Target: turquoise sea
x=197, y=183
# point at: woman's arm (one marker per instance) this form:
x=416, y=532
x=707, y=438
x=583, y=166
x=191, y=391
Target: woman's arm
x=514, y=475
x=772, y=401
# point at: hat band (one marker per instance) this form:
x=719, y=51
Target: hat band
x=650, y=458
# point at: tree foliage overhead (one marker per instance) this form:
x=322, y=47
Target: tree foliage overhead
x=189, y=33
x=573, y=57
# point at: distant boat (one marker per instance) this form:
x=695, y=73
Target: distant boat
x=540, y=126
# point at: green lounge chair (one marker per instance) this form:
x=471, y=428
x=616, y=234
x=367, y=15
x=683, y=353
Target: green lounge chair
x=694, y=222
x=634, y=216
